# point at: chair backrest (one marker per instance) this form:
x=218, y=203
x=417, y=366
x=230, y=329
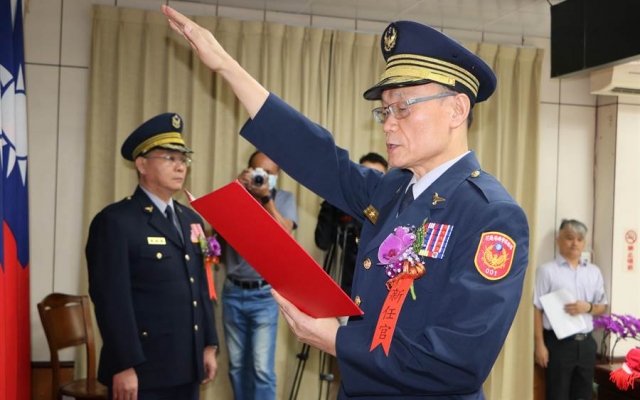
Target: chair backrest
x=66, y=320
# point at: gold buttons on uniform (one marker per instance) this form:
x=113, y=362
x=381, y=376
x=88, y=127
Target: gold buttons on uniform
x=195, y=303
x=367, y=263
x=144, y=334
x=195, y=327
x=186, y=257
x=475, y=174
x=159, y=255
x=358, y=301
x=191, y=280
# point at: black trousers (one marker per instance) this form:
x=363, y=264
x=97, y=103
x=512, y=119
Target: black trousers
x=190, y=391
x=569, y=374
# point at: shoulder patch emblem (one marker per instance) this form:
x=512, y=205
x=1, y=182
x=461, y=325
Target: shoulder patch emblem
x=494, y=256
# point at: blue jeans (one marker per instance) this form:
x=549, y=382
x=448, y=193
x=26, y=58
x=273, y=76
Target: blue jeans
x=250, y=326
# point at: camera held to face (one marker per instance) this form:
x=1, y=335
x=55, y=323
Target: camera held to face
x=258, y=177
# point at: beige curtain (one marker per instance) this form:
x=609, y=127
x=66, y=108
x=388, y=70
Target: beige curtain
x=139, y=68
x=356, y=65
x=505, y=137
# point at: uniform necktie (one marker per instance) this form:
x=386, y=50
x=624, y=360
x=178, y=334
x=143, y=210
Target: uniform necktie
x=172, y=218
x=407, y=199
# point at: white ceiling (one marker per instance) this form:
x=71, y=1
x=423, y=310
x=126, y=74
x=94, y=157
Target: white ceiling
x=511, y=17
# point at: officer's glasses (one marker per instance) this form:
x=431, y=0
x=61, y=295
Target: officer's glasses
x=174, y=160
x=401, y=109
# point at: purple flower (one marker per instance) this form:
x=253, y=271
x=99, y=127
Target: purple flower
x=210, y=246
x=601, y=321
x=214, y=246
x=623, y=326
x=393, y=249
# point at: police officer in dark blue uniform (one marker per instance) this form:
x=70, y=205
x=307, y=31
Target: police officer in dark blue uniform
x=444, y=248
x=147, y=277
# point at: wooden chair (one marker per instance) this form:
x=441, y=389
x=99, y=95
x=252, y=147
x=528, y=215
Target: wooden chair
x=67, y=323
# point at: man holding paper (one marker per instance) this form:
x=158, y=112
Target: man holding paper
x=569, y=361
x=443, y=249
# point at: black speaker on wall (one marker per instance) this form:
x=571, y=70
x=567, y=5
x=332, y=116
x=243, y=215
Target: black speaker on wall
x=586, y=34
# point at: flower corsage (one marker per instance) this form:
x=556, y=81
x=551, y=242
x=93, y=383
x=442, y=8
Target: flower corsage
x=211, y=252
x=398, y=254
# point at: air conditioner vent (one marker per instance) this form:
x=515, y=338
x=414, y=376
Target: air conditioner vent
x=617, y=80
x=625, y=90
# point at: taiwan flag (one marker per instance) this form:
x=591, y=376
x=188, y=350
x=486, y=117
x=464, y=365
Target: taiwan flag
x=14, y=235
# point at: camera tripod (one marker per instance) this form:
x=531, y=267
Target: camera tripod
x=333, y=264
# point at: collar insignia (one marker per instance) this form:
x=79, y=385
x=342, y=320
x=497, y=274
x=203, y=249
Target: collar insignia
x=149, y=209
x=371, y=213
x=436, y=199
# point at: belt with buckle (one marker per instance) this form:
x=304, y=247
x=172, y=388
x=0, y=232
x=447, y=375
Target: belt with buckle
x=248, y=284
x=579, y=336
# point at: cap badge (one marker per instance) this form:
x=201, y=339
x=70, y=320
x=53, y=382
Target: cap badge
x=176, y=121
x=390, y=37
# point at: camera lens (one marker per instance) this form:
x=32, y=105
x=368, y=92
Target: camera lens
x=258, y=180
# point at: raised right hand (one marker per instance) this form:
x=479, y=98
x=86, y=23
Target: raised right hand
x=201, y=40
x=250, y=92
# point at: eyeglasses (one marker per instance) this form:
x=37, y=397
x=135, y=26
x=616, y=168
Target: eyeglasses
x=401, y=109
x=186, y=161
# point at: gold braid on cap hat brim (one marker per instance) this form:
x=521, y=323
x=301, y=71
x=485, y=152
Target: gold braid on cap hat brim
x=420, y=67
x=158, y=140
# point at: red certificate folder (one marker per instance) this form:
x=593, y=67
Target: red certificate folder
x=273, y=252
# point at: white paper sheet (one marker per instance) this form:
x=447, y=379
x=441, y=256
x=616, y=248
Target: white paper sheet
x=563, y=324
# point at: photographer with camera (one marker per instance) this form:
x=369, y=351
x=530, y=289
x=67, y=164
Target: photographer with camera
x=335, y=226
x=249, y=311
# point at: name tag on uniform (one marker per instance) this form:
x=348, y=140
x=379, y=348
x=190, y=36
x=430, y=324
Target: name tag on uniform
x=156, y=240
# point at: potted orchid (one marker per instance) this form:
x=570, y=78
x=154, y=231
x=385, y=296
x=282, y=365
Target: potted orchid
x=623, y=327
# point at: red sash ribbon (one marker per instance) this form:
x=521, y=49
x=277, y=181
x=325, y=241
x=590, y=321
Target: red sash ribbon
x=208, y=267
x=390, y=313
